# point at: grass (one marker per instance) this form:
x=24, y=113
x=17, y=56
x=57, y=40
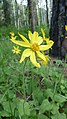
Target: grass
x=45, y=94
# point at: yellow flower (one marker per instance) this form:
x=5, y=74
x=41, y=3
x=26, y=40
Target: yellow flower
x=47, y=60
x=66, y=27
x=16, y=50
x=33, y=47
x=49, y=42
x=44, y=62
x=11, y=33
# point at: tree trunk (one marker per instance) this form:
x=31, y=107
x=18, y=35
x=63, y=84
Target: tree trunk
x=64, y=43
x=31, y=15
x=57, y=30
x=6, y=8
x=47, y=13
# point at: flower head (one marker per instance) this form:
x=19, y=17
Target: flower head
x=16, y=50
x=34, y=47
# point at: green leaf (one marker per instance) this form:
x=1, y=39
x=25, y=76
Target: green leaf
x=41, y=116
x=48, y=93
x=23, y=107
x=59, y=98
x=4, y=113
x=55, y=108
x=8, y=107
x=38, y=95
x=33, y=117
x=45, y=106
x=59, y=116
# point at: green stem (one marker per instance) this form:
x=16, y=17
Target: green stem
x=55, y=89
x=24, y=111
x=32, y=82
x=10, y=105
x=24, y=87
x=3, y=96
x=24, y=90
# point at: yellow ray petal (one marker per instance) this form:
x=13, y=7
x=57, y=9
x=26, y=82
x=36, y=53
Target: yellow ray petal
x=44, y=47
x=41, y=56
x=30, y=35
x=34, y=38
x=45, y=62
x=12, y=33
x=20, y=42
x=35, y=35
x=26, y=53
x=40, y=40
x=23, y=38
x=33, y=60
x=47, y=40
x=50, y=42
x=43, y=33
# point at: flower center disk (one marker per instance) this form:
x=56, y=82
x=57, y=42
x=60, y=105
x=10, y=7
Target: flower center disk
x=35, y=47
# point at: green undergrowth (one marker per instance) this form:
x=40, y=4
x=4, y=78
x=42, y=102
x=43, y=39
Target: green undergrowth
x=5, y=31
x=45, y=95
